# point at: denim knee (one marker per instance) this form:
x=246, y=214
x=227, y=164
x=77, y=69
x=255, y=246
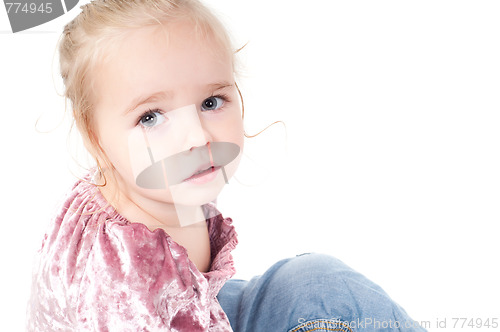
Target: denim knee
x=311, y=292
x=295, y=290
x=309, y=285
x=330, y=295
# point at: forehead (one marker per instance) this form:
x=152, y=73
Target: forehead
x=174, y=58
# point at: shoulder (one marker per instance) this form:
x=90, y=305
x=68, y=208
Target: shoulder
x=73, y=230
x=82, y=212
x=64, y=253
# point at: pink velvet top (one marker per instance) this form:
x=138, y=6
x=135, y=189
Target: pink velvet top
x=99, y=272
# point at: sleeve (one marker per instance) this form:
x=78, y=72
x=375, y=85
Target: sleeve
x=86, y=281
x=97, y=272
x=49, y=307
x=134, y=281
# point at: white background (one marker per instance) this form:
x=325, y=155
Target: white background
x=390, y=160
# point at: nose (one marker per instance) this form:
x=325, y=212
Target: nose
x=196, y=137
x=190, y=132
x=207, y=144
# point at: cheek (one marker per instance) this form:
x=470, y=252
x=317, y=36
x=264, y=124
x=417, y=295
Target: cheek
x=237, y=132
x=115, y=146
x=230, y=130
x=113, y=140
x=116, y=153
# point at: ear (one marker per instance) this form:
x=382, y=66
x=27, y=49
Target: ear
x=93, y=147
x=90, y=148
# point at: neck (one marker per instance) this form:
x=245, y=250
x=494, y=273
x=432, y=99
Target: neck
x=152, y=213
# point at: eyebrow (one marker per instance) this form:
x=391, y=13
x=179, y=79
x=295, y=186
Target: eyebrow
x=166, y=94
x=143, y=100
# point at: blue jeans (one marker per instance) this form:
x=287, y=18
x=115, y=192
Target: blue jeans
x=311, y=292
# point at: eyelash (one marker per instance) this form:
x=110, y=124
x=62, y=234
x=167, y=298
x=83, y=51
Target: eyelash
x=150, y=111
x=222, y=96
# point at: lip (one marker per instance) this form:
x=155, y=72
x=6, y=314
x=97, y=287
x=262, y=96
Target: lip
x=203, y=174
x=183, y=166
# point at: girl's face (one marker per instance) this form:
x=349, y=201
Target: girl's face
x=162, y=96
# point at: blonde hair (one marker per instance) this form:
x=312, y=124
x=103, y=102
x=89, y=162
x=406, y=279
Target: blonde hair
x=87, y=38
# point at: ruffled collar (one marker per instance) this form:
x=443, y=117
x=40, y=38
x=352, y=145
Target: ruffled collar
x=222, y=234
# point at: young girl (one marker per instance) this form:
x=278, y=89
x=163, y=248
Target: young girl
x=138, y=244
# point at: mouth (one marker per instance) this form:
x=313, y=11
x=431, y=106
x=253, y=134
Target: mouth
x=203, y=174
x=194, y=167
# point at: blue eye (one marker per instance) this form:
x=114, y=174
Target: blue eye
x=152, y=119
x=212, y=103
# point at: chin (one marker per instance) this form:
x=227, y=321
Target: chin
x=195, y=196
